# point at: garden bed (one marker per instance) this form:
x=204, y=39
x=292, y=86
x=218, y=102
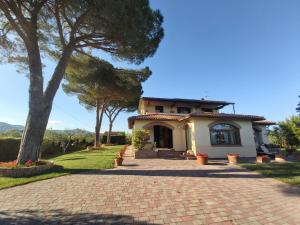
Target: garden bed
x=41, y=167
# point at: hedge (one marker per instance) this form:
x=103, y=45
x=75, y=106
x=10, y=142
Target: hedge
x=9, y=148
x=115, y=139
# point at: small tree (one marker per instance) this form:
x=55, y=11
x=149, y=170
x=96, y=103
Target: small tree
x=29, y=30
x=131, y=91
x=140, y=138
x=287, y=133
x=95, y=82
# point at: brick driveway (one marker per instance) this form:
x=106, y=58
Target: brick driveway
x=154, y=192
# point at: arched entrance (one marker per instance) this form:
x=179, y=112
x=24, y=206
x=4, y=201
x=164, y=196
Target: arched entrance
x=163, y=136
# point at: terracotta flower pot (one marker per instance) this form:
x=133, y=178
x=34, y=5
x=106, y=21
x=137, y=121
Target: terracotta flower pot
x=280, y=158
x=233, y=158
x=263, y=159
x=118, y=161
x=202, y=159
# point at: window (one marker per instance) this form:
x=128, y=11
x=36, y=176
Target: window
x=159, y=109
x=224, y=134
x=207, y=110
x=184, y=110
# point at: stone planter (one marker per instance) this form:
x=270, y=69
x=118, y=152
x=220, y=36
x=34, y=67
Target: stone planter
x=202, y=159
x=233, y=158
x=26, y=171
x=263, y=159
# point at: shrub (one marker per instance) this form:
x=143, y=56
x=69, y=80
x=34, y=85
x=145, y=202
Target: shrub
x=140, y=138
x=9, y=148
x=119, y=139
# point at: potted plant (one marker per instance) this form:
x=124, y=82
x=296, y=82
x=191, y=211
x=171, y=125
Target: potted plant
x=280, y=157
x=190, y=155
x=202, y=158
x=233, y=158
x=263, y=159
x=119, y=159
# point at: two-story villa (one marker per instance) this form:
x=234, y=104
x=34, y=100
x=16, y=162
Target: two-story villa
x=198, y=125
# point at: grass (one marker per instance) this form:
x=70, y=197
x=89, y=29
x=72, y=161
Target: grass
x=70, y=163
x=286, y=172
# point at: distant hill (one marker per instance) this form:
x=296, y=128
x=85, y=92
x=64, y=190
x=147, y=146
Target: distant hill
x=7, y=127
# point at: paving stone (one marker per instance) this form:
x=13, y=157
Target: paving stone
x=154, y=191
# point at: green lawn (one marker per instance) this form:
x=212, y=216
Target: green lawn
x=70, y=163
x=286, y=172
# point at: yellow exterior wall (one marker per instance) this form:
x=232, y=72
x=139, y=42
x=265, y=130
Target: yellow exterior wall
x=179, y=143
x=203, y=145
x=144, y=108
x=201, y=137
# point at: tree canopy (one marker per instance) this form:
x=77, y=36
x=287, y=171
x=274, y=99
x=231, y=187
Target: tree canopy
x=287, y=133
x=30, y=30
x=98, y=85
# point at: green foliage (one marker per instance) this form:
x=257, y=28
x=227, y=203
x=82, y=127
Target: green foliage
x=11, y=133
x=287, y=133
x=140, y=138
x=55, y=142
x=9, y=148
x=127, y=29
x=286, y=172
x=33, y=30
x=128, y=138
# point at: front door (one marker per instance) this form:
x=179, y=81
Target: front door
x=163, y=137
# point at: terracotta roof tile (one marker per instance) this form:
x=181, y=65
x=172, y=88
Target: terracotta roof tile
x=186, y=100
x=156, y=116
x=264, y=122
x=180, y=117
x=227, y=116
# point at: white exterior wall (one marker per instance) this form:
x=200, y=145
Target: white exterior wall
x=179, y=143
x=203, y=144
x=201, y=137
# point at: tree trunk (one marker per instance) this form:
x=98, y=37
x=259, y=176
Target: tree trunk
x=33, y=134
x=97, y=127
x=40, y=104
x=99, y=116
x=109, y=132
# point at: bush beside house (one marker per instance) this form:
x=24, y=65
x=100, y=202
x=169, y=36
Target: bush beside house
x=140, y=138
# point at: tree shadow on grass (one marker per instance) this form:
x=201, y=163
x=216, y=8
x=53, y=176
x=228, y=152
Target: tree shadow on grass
x=30, y=217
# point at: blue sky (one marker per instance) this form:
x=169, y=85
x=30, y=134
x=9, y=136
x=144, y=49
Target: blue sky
x=247, y=52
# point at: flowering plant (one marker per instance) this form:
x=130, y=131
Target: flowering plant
x=11, y=164
x=29, y=163
x=202, y=155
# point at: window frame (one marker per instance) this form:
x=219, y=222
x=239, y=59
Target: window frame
x=184, y=107
x=161, y=110
x=235, y=129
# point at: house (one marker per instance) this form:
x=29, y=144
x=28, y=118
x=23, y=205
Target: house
x=198, y=125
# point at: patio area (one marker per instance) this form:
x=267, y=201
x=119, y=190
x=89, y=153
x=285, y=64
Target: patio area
x=154, y=191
